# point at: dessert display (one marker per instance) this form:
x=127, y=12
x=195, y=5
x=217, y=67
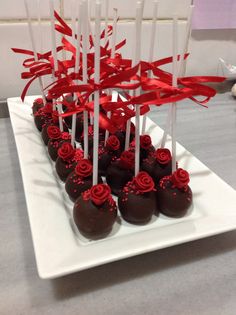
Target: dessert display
x=89, y=133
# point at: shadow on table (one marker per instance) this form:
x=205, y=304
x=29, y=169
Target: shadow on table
x=118, y=272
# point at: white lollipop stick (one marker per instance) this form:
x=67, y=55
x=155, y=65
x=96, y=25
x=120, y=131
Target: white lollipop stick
x=77, y=60
x=151, y=50
x=113, y=44
x=182, y=69
x=85, y=70
x=138, y=29
x=174, y=83
x=96, y=93
x=54, y=54
x=34, y=46
x=106, y=20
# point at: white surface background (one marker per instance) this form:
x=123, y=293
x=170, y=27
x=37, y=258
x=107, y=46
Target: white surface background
x=206, y=46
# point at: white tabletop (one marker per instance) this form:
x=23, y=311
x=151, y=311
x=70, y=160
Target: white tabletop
x=194, y=278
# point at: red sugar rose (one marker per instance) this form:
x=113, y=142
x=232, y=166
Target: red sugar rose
x=84, y=168
x=113, y=143
x=180, y=178
x=55, y=117
x=65, y=136
x=79, y=155
x=145, y=142
x=100, y=193
x=163, y=156
x=47, y=109
x=66, y=151
x=127, y=160
x=38, y=101
x=53, y=132
x=143, y=182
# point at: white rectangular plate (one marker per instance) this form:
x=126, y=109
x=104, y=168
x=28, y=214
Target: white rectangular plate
x=60, y=249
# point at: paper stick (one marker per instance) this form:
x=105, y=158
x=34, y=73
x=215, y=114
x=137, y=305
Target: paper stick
x=106, y=20
x=85, y=39
x=138, y=29
x=113, y=99
x=183, y=62
x=34, y=46
x=77, y=61
x=151, y=50
x=174, y=83
x=96, y=93
x=182, y=70
x=54, y=54
x=113, y=40
x=113, y=44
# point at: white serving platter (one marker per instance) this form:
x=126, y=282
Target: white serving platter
x=59, y=247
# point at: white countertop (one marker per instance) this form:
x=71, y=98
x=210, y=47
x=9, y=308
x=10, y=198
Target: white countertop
x=193, y=278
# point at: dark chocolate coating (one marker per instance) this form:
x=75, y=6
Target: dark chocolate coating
x=64, y=168
x=94, y=221
x=117, y=177
x=36, y=106
x=171, y=201
x=75, y=185
x=54, y=145
x=137, y=208
x=120, y=134
x=156, y=170
x=41, y=120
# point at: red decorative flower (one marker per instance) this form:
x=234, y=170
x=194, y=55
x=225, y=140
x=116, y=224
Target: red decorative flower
x=143, y=182
x=127, y=159
x=163, y=156
x=180, y=178
x=55, y=116
x=79, y=155
x=65, y=136
x=113, y=143
x=66, y=151
x=100, y=193
x=84, y=168
x=53, y=132
x=38, y=101
x=145, y=142
x=47, y=109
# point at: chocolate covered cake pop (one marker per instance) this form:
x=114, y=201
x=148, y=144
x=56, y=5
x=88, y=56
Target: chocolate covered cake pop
x=68, y=157
x=80, y=179
x=56, y=139
x=43, y=116
x=174, y=196
x=95, y=212
x=120, y=172
x=137, y=200
x=146, y=147
x=107, y=154
x=53, y=122
x=91, y=137
x=158, y=164
x=37, y=104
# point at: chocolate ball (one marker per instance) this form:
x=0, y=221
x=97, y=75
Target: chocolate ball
x=172, y=201
x=136, y=207
x=94, y=221
x=117, y=177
